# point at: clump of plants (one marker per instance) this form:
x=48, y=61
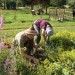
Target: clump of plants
x=60, y=58
x=63, y=39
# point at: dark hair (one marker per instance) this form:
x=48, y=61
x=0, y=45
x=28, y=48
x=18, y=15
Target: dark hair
x=49, y=24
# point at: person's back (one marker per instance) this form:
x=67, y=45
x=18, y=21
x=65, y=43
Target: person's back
x=42, y=24
x=25, y=39
x=18, y=36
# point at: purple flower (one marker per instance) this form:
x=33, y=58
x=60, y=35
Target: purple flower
x=2, y=21
x=1, y=44
x=6, y=63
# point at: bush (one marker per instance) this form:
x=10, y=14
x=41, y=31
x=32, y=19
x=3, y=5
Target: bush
x=8, y=5
x=11, y=5
x=63, y=39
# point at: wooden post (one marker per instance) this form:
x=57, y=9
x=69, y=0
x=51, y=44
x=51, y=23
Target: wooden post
x=56, y=13
x=64, y=14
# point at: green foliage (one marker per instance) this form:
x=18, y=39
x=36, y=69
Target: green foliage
x=66, y=43
x=60, y=54
x=47, y=68
x=59, y=62
x=71, y=3
x=11, y=4
x=58, y=3
x=65, y=71
x=3, y=56
x=67, y=55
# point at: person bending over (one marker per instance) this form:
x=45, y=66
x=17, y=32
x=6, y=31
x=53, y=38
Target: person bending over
x=42, y=27
x=25, y=39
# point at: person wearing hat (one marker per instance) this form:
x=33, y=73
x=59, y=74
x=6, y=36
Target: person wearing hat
x=43, y=27
x=25, y=39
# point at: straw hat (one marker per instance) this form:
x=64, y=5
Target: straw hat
x=31, y=32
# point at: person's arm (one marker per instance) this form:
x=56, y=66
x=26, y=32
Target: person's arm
x=44, y=34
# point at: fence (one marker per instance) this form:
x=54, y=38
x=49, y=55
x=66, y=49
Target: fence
x=66, y=14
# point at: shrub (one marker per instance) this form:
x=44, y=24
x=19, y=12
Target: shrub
x=63, y=39
x=11, y=4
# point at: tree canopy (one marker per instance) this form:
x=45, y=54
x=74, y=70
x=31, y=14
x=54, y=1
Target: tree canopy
x=44, y=3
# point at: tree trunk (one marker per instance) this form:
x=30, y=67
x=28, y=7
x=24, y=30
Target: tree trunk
x=31, y=6
x=46, y=9
x=4, y=4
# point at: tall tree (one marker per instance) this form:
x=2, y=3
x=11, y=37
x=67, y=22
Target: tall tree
x=29, y=3
x=45, y=3
x=58, y=3
x=71, y=3
x=4, y=3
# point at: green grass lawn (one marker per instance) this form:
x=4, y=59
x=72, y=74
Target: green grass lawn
x=16, y=21
x=19, y=24
x=70, y=28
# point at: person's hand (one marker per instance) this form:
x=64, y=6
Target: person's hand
x=36, y=47
x=47, y=43
x=43, y=32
